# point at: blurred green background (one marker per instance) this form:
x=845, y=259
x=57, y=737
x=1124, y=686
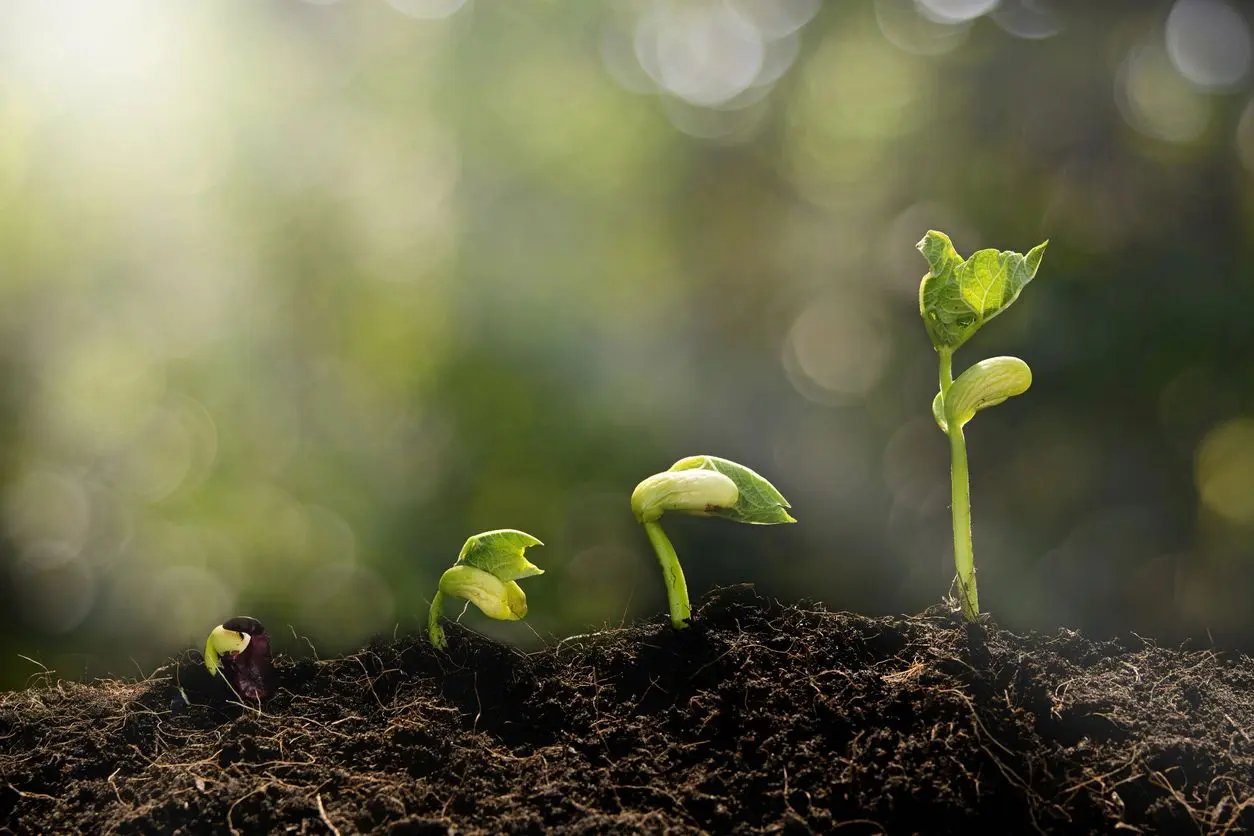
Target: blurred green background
x=295, y=296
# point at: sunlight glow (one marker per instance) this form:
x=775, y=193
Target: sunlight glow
x=85, y=48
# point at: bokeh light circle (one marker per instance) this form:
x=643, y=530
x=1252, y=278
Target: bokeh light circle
x=704, y=53
x=1208, y=42
x=427, y=9
x=1155, y=100
x=1225, y=470
x=954, y=11
x=839, y=346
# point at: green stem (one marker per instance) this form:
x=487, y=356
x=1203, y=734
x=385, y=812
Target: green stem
x=434, y=631
x=960, y=490
x=964, y=554
x=676, y=586
x=946, y=369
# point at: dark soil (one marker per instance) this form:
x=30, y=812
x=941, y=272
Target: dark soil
x=762, y=717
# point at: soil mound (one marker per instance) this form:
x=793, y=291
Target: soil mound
x=761, y=717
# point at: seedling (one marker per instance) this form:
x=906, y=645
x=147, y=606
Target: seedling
x=704, y=486
x=956, y=297
x=486, y=574
x=238, y=650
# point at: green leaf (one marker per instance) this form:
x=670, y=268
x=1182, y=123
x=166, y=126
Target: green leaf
x=987, y=383
x=956, y=297
x=501, y=553
x=944, y=312
x=758, y=504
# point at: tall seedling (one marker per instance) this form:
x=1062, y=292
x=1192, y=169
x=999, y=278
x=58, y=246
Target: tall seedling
x=956, y=298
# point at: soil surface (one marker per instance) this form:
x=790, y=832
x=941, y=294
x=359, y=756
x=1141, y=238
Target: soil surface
x=760, y=718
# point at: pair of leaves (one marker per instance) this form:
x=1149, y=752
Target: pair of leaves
x=958, y=296
x=758, y=503
x=486, y=572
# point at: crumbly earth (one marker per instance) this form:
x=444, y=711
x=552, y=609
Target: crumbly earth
x=760, y=718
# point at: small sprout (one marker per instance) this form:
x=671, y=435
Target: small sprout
x=485, y=574
x=956, y=298
x=238, y=649
x=704, y=486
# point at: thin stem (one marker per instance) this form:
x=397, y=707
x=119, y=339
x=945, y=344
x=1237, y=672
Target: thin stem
x=960, y=489
x=964, y=553
x=676, y=586
x=434, y=631
x=946, y=369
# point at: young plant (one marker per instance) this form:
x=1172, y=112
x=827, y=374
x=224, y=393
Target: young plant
x=704, y=486
x=238, y=649
x=956, y=297
x=486, y=574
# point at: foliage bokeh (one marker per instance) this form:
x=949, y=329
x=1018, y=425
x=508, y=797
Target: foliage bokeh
x=295, y=296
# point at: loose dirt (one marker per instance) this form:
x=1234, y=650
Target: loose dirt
x=760, y=718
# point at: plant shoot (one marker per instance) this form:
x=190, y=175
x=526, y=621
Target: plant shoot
x=238, y=650
x=486, y=575
x=704, y=486
x=956, y=298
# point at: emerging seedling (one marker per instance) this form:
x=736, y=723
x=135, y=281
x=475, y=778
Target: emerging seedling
x=485, y=574
x=704, y=486
x=239, y=650
x=956, y=297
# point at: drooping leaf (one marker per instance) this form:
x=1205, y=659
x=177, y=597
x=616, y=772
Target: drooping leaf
x=501, y=553
x=985, y=384
x=759, y=503
x=957, y=297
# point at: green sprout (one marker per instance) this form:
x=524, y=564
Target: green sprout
x=486, y=575
x=704, y=486
x=238, y=650
x=956, y=297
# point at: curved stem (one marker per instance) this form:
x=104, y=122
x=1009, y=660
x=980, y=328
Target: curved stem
x=676, y=586
x=434, y=631
x=964, y=554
